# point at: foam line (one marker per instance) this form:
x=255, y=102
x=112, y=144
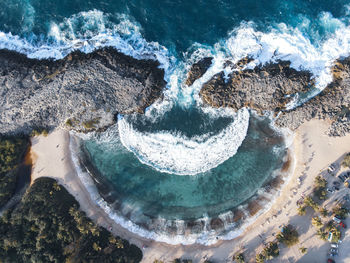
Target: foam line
x=173, y=153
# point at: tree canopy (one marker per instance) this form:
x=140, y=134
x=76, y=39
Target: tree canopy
x=47, y=226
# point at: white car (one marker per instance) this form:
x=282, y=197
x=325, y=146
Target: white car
x=337, y=220
x=334, y=245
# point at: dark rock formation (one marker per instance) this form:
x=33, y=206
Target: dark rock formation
x=264, y=88
x=198, y=69
x=85, y=91
x=332, y=103
x=271, y=87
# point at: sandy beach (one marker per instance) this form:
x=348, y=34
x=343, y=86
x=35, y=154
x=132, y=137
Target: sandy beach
x=313, y=150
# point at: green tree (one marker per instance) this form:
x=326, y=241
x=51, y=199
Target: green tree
x=271, y=250
x=320, y=182
x=301, y=210
x=340, y=211
x=239, y=258
x=303, y=250
x=346, y=161
x=323, y=212
x=308, y=201
x=316, y=222
x=260, y=258
x=47, y=226
x=288, y=236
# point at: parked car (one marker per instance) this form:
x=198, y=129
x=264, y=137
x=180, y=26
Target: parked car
x=331, y=168
x=341, y=178
x=346, y=175
x=336, y=183
x=342, y=224
x=334, y=250
x=336, y=188
x=337, y=220
x=330, y=190
x=330, y=261
x=334, y=245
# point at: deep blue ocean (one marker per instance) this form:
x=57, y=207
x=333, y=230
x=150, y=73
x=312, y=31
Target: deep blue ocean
x=183, y=160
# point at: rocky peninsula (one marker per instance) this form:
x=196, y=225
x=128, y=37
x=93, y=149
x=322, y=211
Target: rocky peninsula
x=82, y=91
x=269, y=88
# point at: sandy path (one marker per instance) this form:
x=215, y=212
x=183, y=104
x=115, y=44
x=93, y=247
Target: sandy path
x=314, y=151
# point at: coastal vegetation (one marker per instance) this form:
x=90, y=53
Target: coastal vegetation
x=288, y=236
x=346, y=160
x=47, y=226
x=239, y=258
x=316, y=222
x=12, y=152
x=303, y=250
x=320, y=188
x=269, y=252
x=340, y=211
x=39, y=131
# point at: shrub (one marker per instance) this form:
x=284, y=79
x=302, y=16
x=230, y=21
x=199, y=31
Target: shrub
x=12, y=152
x=320, y=182
x=346, y=161
x=239, y=258
x=288, y=236
x=316, y=222
x=301, y=210
x=271, y=250
x=303, y=250
x=323, y=212
x=308, y=201
x=322, y=234
x=260, y=258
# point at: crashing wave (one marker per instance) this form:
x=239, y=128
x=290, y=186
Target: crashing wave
x=86, y=32
x=172, y=153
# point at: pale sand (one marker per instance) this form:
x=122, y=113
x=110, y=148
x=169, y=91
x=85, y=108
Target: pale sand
x=314, y=151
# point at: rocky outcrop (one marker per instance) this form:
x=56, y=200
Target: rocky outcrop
x=267, y=88
x=82, y=91
x=332, y=103
x=197, y=70
x=273, y=86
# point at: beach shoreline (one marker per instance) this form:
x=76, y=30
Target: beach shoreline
x=53, y=159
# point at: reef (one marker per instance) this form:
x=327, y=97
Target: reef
x=82, y=91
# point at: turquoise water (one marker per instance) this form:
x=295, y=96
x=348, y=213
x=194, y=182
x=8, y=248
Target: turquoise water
x=156, y=194
x=181, y=160
x=174, y=24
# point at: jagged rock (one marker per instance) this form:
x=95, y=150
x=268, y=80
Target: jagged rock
x=270, y=88
x=264, y=88
x=198, y=69
x=332, y=103
x=85, y=91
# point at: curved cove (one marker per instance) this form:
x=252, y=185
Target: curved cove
x=143, y=194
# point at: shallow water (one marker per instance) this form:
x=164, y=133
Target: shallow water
x=141, y=189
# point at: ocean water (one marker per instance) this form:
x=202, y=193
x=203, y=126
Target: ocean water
x=184, y=161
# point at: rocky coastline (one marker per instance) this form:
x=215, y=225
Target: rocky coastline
x=269, y=88
x=83, y=92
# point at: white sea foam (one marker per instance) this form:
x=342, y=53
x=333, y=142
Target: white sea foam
x=88, y=31
x=289, y=44
x=174, y=153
